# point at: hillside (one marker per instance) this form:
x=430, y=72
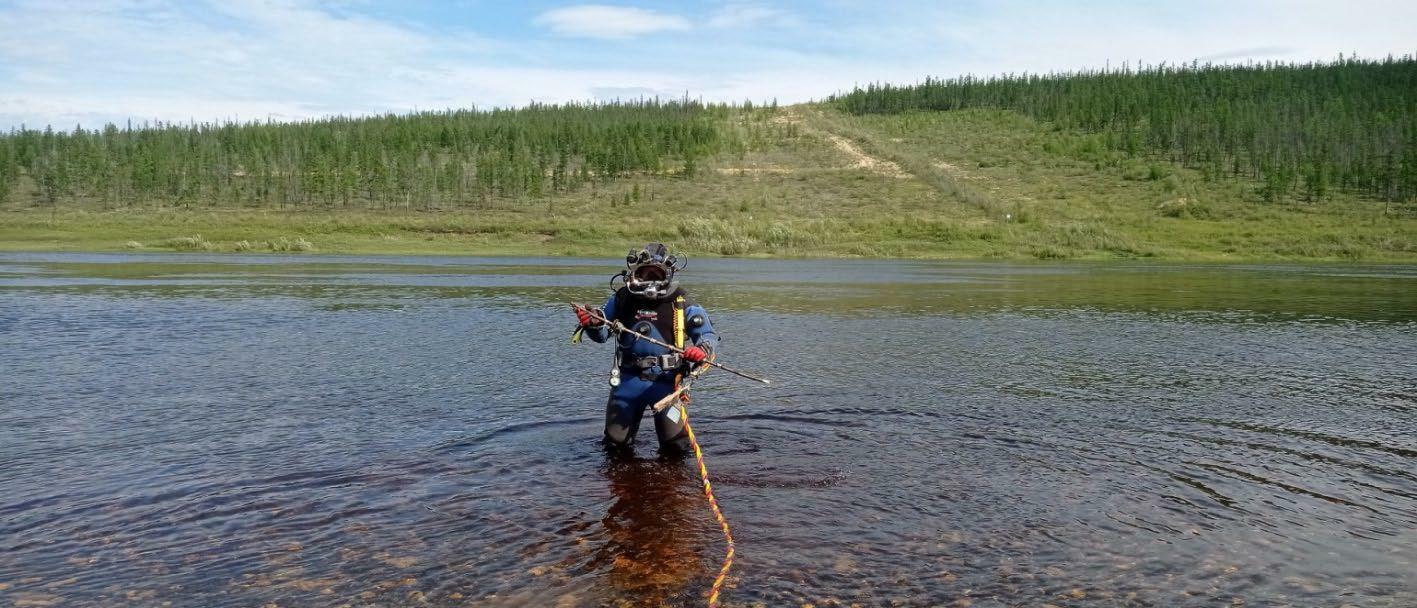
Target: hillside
x=1303, y=162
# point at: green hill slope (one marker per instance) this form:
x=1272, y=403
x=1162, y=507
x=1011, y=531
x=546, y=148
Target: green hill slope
x=998, y=176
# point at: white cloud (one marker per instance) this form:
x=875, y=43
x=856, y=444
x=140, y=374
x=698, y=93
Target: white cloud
x=1018, y=35
x=623, y=93
x=609, y=22
x=242, y=59
x=1258, y=52
x=65, y=111
x=65, y=62
x=737, y=15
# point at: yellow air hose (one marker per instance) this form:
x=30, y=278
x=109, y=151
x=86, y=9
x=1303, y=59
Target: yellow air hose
x=717, y=513
x=682, y=397
x=679, y=305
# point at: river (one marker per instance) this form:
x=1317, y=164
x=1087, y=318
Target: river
x=223, y=430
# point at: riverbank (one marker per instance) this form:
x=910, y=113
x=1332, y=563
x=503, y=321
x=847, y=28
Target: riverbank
x=1329, y=237
x=973, y=184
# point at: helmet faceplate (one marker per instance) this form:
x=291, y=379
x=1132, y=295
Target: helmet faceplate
x=649, y=272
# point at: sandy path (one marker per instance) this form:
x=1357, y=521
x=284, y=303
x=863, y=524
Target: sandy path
x=862, y=160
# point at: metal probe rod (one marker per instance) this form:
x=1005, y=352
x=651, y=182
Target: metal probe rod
x=616, y=326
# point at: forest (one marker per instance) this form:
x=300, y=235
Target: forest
x=1296, y=131
x=1301, y=130
x=425, y=160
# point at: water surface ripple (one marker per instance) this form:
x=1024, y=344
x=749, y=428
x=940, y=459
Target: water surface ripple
x=244, y=430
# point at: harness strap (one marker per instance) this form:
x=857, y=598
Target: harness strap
x=666, y=362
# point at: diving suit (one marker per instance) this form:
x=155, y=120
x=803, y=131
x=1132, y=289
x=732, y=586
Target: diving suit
x=652, y=303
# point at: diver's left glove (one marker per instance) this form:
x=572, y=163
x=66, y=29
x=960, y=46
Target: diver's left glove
x=696, y=354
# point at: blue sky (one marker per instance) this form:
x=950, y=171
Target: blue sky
x=68, y=62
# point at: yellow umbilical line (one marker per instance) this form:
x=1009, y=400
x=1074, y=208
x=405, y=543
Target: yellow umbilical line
x=717, y=513
x=699, y=455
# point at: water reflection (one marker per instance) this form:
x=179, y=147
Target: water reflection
x=651, y=547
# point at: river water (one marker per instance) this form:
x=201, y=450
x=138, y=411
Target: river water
x=321, y=431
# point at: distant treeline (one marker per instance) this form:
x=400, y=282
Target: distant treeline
x=440, y=158
x=1301, y=129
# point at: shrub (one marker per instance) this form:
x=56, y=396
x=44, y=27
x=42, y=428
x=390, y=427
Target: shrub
x=1186, y=208
x=298, y=244
x=189, y=243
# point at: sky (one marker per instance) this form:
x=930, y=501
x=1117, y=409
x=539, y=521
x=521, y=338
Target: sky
x=67, y=62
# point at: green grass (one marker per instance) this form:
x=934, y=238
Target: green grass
x=962, y=184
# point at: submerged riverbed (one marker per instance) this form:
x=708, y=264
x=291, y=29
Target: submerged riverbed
x=243, y=430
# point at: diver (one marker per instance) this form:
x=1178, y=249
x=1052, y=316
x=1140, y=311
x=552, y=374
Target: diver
x=650, y=302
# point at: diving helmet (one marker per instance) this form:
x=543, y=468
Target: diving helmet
x=649, y=271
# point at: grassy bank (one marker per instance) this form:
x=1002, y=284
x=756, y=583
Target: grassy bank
x=917, y=184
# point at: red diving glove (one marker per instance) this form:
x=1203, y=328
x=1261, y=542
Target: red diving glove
x=695, y=354
x=587, y=318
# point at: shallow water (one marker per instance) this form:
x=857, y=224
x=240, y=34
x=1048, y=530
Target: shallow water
x=241, y=430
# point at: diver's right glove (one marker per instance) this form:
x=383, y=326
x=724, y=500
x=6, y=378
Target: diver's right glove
x=589, y=319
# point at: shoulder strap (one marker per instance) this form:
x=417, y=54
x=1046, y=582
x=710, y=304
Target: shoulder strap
x=679, y=305
x=624, y=313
